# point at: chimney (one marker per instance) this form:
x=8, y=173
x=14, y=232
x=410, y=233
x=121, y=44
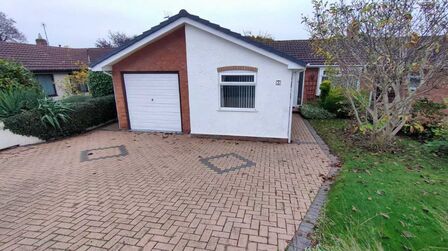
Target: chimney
x=41, y=41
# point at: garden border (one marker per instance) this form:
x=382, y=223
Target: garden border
x=301, y=239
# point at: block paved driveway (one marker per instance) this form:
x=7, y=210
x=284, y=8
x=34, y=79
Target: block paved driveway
x=168, y=192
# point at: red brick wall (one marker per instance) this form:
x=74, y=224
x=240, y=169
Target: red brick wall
x=166, y=54
x=309, y=91
x=312, y=74
x=237, y=68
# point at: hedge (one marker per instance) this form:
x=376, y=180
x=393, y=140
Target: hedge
x=100, y=84
x=76, y=99
x=310, y=111
x=13, y=74
x=83, y=116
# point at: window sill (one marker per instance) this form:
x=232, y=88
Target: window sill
x=237, y=110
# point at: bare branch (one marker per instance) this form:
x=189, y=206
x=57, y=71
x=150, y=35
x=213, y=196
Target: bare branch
x=8, y=30
x=396, y=42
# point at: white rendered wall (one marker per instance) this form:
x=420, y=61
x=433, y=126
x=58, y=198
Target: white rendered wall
x=207, y=52
x=59, y=83
x=9, y=139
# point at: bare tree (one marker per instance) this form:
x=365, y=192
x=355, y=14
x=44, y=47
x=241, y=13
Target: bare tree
x=261, y=37
x=115, y=39
x=389, y=41
x=8, y=30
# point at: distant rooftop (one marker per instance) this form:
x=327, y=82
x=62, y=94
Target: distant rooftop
x=42, y=57
x=300, y=49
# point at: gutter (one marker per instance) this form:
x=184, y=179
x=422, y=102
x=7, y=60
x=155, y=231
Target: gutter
x=107, y=73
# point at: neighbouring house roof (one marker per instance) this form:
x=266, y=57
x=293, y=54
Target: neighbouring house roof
x=300, y=49
x=185, y=14
x=49, y=58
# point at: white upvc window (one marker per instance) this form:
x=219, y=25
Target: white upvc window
x=237, y=90
x=323, y=75
x=350, y=80
x=320, y=77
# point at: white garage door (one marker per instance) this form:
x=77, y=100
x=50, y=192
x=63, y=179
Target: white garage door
x=153, y=102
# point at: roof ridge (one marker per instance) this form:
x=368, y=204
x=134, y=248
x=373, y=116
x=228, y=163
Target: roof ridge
x=48, y=46
x=291, y=40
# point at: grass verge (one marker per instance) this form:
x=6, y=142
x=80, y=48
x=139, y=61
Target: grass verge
x=383, y=201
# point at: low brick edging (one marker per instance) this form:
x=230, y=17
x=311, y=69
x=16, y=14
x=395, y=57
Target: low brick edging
x=301, y=239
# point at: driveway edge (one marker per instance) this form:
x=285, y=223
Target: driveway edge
x=301, y=239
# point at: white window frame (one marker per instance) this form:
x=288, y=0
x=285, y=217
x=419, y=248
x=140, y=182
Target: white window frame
x=221, y=83
x=322, y=74
x=414, y=75
x=319, y=80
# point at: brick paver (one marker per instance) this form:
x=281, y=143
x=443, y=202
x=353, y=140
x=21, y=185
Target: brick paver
x=158, y=196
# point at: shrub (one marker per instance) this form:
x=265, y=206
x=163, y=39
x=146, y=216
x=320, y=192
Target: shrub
x=13, y=74
x=76, y=81
x=425, y=116
x=439, y=144
x=426, y=105
x=310, y=111
x=325, y=87
x=83, y=116
x=337, y=103
x=100, y=84
x=14, y=100
x=52, y=112
x=76, y=99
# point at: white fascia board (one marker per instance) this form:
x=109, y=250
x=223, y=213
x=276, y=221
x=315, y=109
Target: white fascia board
x=105, y=68
x=106, y=65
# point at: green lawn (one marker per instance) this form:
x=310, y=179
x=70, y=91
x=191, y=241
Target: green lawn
x=390, y=201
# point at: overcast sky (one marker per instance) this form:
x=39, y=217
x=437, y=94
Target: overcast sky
x=78, y=23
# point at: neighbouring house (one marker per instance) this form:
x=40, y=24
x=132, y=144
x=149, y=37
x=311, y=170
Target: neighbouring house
x=316, y=72
x=193, y=76
x=51, y=64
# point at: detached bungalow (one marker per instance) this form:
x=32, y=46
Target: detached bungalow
x=50, y=64
x=192, y=76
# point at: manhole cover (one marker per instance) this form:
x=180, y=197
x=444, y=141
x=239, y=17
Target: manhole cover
x=103, y=153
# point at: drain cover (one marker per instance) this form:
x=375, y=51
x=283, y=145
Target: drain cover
x=226, y=162
x=103, y=153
